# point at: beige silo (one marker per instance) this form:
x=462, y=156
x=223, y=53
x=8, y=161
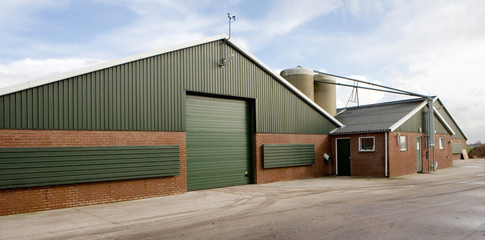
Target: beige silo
x=301, y=78
x=325, y=93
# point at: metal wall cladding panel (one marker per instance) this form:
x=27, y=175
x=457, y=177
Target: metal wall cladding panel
x=449, y=120
x=288, y=155
x=31, y=167
x=278, y=110
x=142, y=95
x=217, y=143
x=439, y=127
x=416, y=122
x=420, y=120
x=149, y=95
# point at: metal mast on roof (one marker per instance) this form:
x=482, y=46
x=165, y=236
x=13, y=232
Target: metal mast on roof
x=225, y=58
x=230, y=19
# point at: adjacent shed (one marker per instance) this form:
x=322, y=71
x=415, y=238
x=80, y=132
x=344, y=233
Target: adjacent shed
x=390, y=139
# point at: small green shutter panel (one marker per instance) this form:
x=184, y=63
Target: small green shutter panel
x=457, y=148
x=217, y=142
x=288, y=155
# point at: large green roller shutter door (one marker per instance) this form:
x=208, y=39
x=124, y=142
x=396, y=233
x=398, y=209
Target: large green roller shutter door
x=217, y=142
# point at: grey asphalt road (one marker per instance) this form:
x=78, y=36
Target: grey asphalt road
x=447, y=204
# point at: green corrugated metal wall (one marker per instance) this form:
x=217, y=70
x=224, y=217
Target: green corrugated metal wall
x=451, y=123
x=288, y=155
x=415, y=122
x=217, y=142
x=31, y=167
x=149, y=95
x=419, y=120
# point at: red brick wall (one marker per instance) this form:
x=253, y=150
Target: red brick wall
x=320, y=168
x=404, y=162
x=54, y=197
x=444, y=156
x=366, y=164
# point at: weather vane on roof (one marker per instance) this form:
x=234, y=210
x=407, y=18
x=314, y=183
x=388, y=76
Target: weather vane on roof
x=230, y=18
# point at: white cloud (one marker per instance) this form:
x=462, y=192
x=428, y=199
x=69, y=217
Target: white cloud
x=435, y=48
x=359, y=8
x=282, y=18
x=29, y=69
x=19, y=12
x=164, y=23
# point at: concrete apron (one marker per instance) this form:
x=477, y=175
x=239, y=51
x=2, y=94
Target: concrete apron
x=208, y=207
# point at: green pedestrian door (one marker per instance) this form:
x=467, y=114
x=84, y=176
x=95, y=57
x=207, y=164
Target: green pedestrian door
x=419, y=161
x=218, y=146
x=343, y=157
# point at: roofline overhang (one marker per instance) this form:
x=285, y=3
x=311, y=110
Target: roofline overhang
x=359, y=132
x=74, y=73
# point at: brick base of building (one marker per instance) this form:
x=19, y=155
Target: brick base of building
x=33, y=199
x=318, y=169
x=54, y=197
x=400, y=162
x=404, y=162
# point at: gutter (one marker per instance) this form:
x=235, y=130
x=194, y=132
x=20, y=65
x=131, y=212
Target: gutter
x=386, y=159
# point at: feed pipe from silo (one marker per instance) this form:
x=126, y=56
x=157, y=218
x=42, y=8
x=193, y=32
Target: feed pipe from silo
x=373, y=84
x=368, y=88
x=402, y=92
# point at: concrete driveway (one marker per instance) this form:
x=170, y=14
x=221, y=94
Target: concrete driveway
x=447, y=204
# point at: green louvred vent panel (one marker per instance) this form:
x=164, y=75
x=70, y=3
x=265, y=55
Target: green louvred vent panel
x=33, y=167
x=457, y=148
x=288, y=155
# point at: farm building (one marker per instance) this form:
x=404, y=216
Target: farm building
x=196, y=116
x=202, y=115
x=390, y=139
x=385, y=139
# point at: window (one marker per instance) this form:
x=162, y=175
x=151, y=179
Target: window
x=442, y=146
x=403, y=140
x=366, y=144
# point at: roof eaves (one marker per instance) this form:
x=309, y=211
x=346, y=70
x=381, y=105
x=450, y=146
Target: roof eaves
x=74, y=73
x=407, y=116
x=358, y=132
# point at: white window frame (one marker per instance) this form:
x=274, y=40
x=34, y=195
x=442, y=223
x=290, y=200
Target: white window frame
x=367, y=150
x=403, y=139
x=441, y=143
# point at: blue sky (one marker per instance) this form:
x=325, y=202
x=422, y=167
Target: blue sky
x=433, y=47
